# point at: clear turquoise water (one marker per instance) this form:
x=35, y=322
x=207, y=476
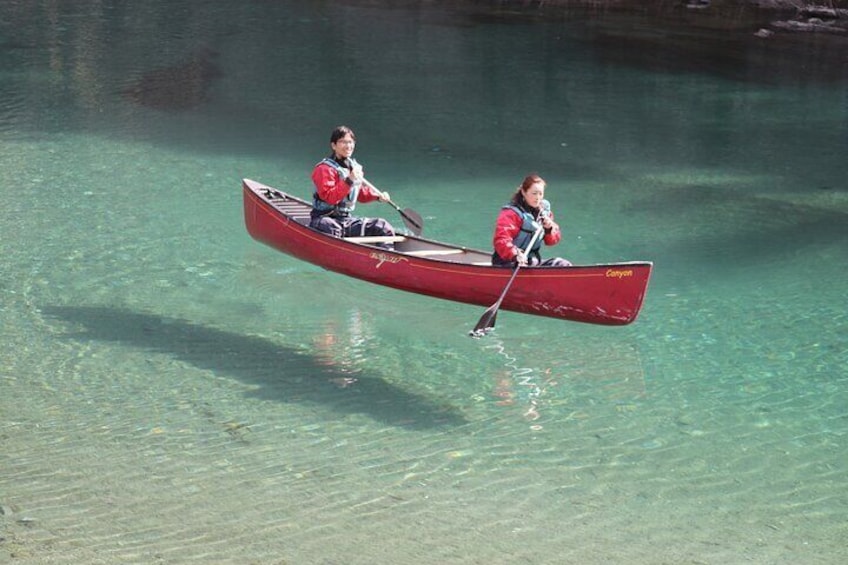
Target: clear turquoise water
x=172, y=391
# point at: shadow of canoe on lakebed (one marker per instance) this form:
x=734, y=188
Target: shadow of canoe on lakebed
x=282, y=373
x=182, y=86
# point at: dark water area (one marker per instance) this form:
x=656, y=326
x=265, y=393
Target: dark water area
x=173, y=391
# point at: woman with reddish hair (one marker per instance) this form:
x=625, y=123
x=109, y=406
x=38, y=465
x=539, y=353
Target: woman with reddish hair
x=516, y=241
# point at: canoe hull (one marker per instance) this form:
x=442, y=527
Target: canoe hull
x=609, y=294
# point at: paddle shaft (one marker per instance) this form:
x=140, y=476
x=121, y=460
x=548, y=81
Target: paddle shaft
x=411, y=218
x=487, y=320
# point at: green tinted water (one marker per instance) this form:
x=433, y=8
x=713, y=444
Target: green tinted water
x=173, y=391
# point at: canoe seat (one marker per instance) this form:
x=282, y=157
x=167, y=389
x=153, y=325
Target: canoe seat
x=424, y=252
x=377, y=239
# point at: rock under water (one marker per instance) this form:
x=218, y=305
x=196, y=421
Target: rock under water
x=178, y=87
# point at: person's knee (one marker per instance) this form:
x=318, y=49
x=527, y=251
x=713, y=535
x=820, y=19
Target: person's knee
x=378, y=226
x=385, y=227
x=327, y=225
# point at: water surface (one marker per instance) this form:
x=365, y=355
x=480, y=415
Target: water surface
x=173, y=391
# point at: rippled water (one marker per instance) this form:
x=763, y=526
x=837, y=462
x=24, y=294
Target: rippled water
x=172, y=391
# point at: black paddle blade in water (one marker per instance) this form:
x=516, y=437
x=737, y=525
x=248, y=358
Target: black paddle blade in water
x=487, y=320
x=486, y=323
x=412, y=220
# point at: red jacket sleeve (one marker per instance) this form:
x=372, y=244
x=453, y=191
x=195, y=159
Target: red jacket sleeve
x=506, y=229
x=332, y=188
x=366, y=193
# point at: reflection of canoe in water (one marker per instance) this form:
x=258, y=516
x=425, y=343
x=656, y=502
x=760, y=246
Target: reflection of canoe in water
x=609, y=294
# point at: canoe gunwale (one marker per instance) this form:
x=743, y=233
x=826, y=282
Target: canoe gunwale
x=608, y=294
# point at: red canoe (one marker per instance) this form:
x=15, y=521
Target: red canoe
x=609, y=294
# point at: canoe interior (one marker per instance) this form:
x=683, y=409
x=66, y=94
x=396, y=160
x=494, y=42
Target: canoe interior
x=298, y=210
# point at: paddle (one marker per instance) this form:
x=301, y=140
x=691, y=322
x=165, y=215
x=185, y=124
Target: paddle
x=487, y=320
x=411, y=218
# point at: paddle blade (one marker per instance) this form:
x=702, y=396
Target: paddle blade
x=486, y=323
x=412, y=220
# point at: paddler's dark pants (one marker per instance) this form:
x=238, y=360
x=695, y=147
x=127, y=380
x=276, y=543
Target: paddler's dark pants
x=352, y=226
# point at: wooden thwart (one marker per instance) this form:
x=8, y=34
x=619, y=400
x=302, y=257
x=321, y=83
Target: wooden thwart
x=424, y=252
x=377, y=239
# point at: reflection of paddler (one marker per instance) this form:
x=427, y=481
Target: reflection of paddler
x=325, y=342
x=503, y=391
x=342, y=347
x=518, y=385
